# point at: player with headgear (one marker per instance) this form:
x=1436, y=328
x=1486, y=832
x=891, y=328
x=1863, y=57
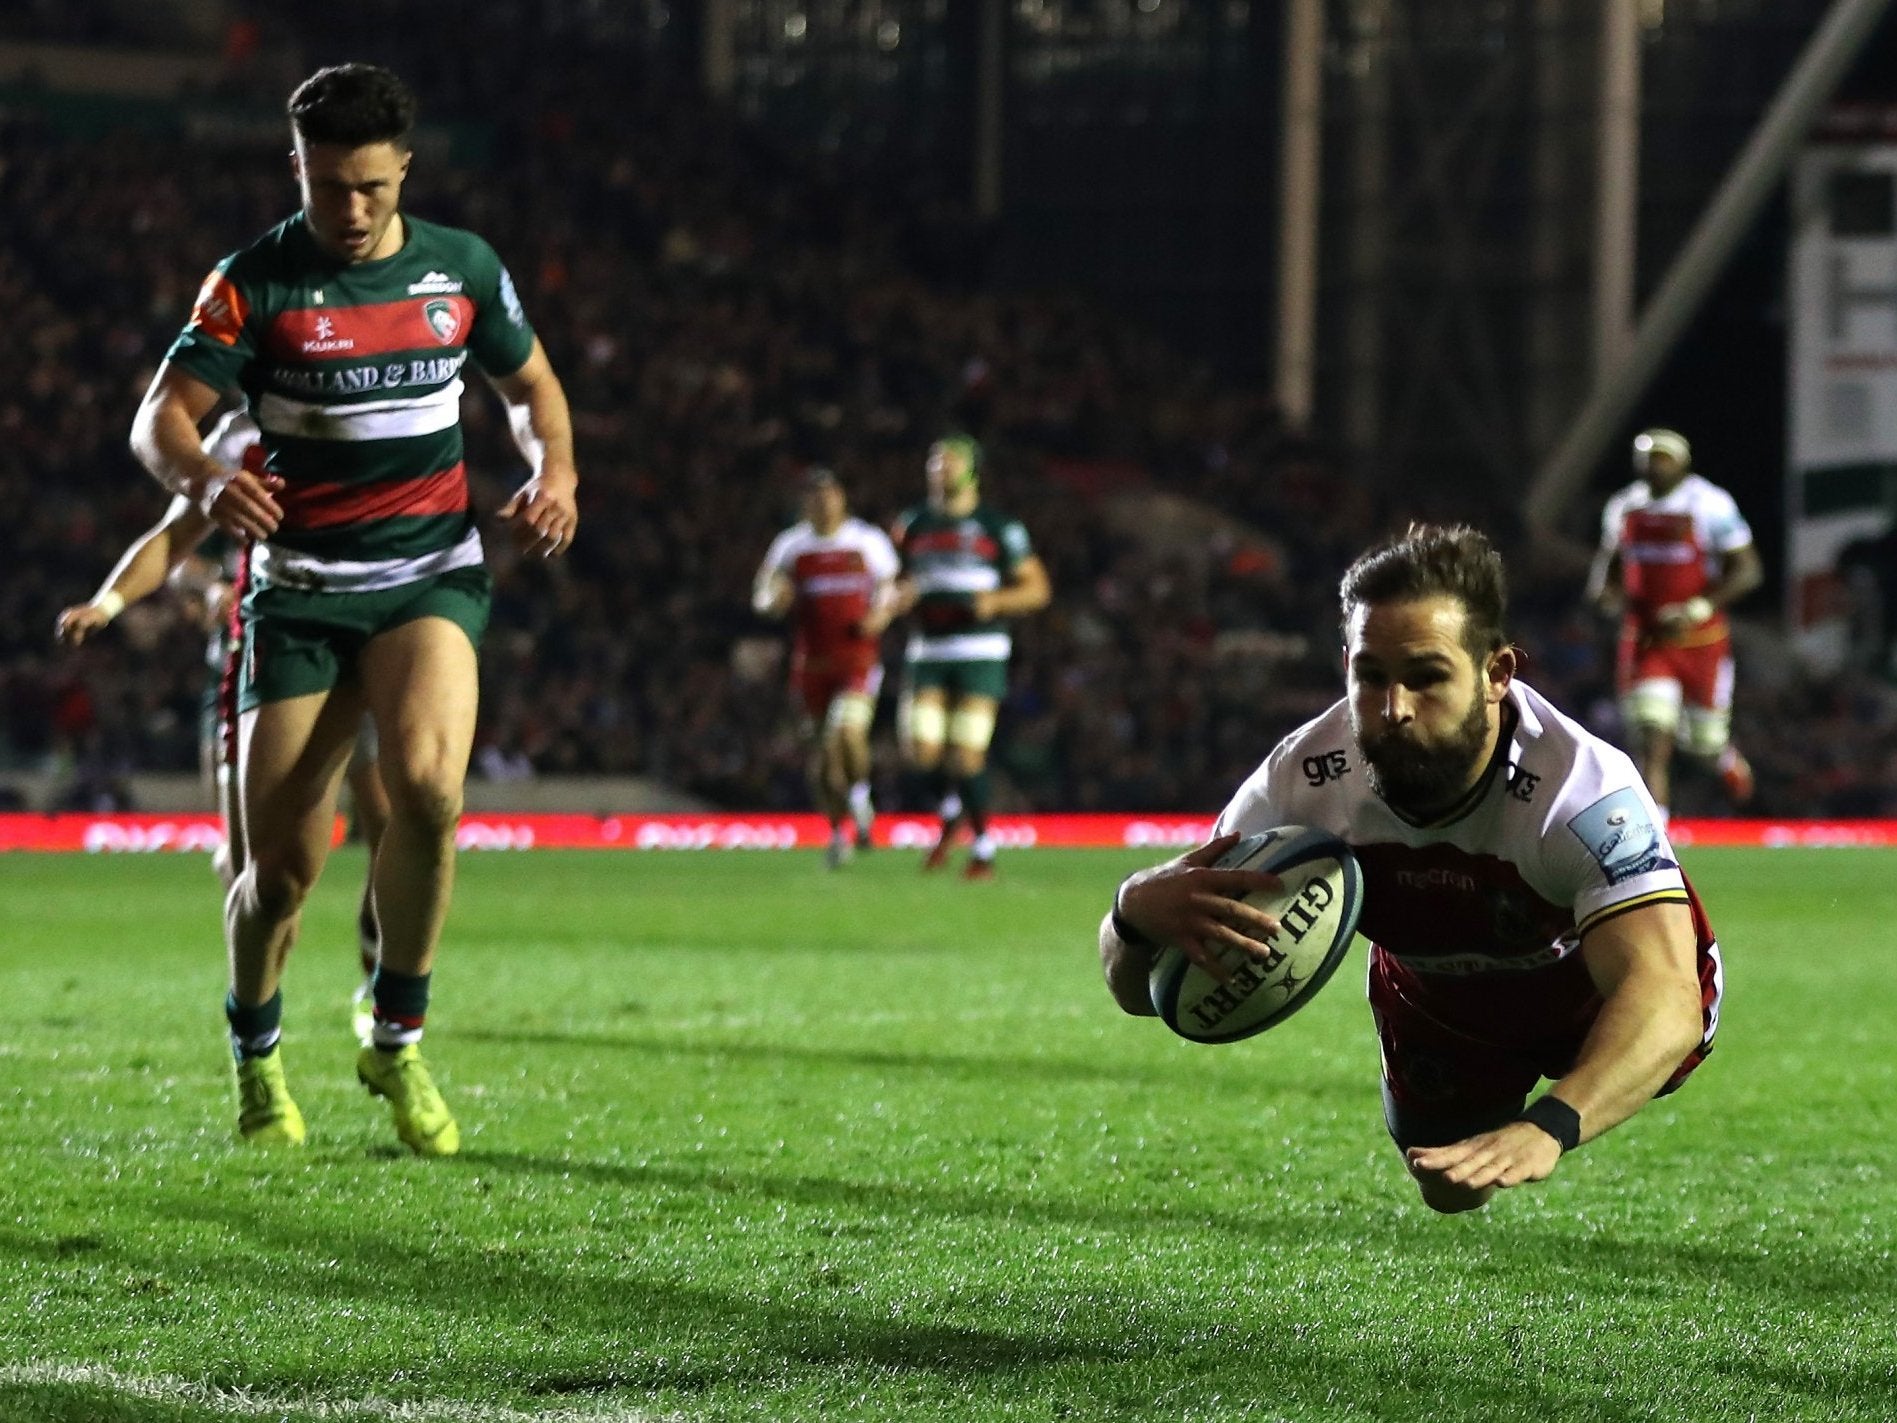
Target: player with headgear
x=968, y=569
x=1675, y=553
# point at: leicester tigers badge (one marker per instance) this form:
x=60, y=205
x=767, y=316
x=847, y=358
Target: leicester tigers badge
x=443, y=320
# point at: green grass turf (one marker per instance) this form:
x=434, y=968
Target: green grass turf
x=746, y=1140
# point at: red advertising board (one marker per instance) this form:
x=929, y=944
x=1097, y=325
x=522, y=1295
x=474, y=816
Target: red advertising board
x=132, y=834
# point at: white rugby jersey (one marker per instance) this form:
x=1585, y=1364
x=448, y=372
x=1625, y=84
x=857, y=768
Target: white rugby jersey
x=1672, y=548
x=836, y=576
x=852, y=560
x=1561, y=835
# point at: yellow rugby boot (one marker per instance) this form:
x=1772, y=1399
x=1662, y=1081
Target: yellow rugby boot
x=266, y=1116
x=422, y=1119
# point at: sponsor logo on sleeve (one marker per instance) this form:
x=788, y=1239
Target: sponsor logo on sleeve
x=1619, y=832
x=510, y=299
x=220, y=310
x=1325, y=766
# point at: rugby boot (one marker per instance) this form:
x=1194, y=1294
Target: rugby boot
x=838, y=854
x=422, y=1119
x=938, y=855
x=266, y=1115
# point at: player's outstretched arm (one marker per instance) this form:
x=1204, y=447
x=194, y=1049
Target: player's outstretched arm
x=544, y=511
x=140, y=571
x=1644, y=963
x=165, y=440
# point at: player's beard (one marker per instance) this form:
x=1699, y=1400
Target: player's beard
x=1424, y=778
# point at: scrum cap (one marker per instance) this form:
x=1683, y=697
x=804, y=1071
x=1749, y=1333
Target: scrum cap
x=1667, y=442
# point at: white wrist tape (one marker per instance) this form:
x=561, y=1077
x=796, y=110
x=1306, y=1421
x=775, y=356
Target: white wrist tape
x=213, y=487
x=1698, y=609
x=111, y=603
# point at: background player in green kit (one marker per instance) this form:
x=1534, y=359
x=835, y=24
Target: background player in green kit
x=346, y=328
x=966, y=568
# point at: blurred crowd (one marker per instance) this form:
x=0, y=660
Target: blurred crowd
x=722, y=317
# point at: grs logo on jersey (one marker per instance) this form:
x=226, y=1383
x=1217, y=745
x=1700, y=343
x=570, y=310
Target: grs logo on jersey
x=1619, y=832
x=1325, y=766
x=443, y=320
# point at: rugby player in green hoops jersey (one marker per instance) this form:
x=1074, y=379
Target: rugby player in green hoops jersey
x=967, y=568
x=347, y=329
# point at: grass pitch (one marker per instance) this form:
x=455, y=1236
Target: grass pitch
x=743, y=1140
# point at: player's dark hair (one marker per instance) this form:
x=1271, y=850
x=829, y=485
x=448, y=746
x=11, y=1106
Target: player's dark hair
x=353, y=105
x=1437, y=561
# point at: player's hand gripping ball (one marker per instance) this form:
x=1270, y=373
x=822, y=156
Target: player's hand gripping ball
x=1317, y=909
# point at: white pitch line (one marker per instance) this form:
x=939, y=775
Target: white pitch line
x=247, y=1403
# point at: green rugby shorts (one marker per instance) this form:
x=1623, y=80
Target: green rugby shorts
x=298, y=642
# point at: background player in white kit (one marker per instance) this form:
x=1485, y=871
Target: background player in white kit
x=834, y=574
x=168, y=552
x=1526, y=915
x=1675, y=554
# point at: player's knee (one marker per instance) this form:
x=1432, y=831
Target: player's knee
x=924, y=728
x=275, y=886
x=1652, y=709
x=425, y=788
x=1705, y=733
x=970, y=730
x=848, y=718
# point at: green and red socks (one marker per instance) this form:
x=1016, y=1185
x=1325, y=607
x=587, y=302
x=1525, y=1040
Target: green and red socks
x=256, y=1029
x=401, y=1005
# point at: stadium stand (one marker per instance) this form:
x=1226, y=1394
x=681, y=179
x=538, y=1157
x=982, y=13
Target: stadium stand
x=722, y=315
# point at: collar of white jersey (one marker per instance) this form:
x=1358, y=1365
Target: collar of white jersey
x=1517, y=721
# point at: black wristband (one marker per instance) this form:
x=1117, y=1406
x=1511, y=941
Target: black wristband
x=1129, y=935
x=1555, y=1117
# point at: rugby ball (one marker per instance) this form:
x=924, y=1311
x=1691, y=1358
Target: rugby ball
x=1317, y=909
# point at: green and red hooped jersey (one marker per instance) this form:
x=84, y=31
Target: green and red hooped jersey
x=950, y=558
x=354, y=374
